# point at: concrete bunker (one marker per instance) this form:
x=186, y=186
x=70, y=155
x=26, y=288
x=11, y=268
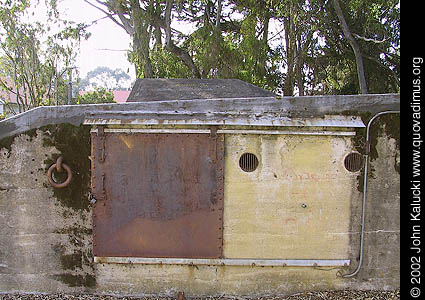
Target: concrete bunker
x=209, y=187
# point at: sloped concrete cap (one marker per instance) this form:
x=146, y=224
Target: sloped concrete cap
x=190, y=89
x=268, y=111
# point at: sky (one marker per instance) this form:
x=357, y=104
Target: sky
x=107, y=44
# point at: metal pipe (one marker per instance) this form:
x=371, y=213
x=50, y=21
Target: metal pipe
x=366, y=169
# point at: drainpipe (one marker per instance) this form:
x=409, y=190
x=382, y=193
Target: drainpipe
x=366, y=169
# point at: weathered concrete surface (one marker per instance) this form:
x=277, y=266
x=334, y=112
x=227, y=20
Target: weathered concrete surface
x=160, y=89
x=44, y=245
x=382, y=233
x=214, y=111
x=204, y=280
x=381, y=265
x=45, y=237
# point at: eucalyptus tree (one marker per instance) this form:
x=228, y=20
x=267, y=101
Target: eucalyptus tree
x=302, y=47
x=362, y=55
x=227, y=39
x=31, y=53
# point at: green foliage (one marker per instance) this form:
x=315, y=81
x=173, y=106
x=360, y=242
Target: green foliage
x=241, y=54
x=294, y=46
x=31, y=55
x=376, y=26
x=289, y=46
x=100, y=95
x=4, y=115
x=166, y=65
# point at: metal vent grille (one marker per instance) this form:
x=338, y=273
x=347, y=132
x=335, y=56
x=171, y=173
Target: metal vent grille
x=353, y=162
x=248, y=162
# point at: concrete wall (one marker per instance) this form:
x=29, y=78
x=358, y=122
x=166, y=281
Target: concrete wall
x=45, y=233
x=44, y=243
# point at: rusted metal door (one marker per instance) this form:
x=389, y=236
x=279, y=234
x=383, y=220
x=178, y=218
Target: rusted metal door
x=157, y=195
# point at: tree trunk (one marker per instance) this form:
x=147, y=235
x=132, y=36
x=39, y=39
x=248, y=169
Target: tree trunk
x=177, y=51
x=218, y=17
x=141, y=39
x=354, y=45
x=288, y=86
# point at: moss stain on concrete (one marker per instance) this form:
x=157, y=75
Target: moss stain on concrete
x=71, y=280
x=74, y=265
x=6, y=143
x=73, y=143
x=386, y=125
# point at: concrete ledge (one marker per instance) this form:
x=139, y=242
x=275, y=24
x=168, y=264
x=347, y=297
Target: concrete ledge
x=226, y=262
x=251, y=110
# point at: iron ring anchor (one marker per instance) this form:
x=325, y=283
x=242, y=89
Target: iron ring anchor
x=59, y=166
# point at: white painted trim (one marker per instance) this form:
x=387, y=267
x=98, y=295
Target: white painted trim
x=286, y=132
x=227, y=131
x=234, y=120
x=152, y=130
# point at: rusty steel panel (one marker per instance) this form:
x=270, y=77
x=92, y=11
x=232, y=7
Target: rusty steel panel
x=157, y=195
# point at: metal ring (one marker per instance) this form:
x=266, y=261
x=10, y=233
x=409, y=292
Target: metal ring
x=68, y=178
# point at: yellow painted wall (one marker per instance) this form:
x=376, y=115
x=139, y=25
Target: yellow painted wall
x=264, y=215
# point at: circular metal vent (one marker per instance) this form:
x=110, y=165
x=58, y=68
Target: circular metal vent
x=248, y=162
x=353, y=162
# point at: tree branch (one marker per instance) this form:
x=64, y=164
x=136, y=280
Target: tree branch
x=170, y=46
x=109, y=15
x=168, y=8
x=217, y=20
x=354, y=45
x=126, y=22
x=369, y=40
x=393, y=74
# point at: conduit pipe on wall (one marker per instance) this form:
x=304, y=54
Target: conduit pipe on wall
x=366, y=169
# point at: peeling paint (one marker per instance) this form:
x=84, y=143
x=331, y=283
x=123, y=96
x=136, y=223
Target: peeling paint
x=389, y=126
x=299, y=192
